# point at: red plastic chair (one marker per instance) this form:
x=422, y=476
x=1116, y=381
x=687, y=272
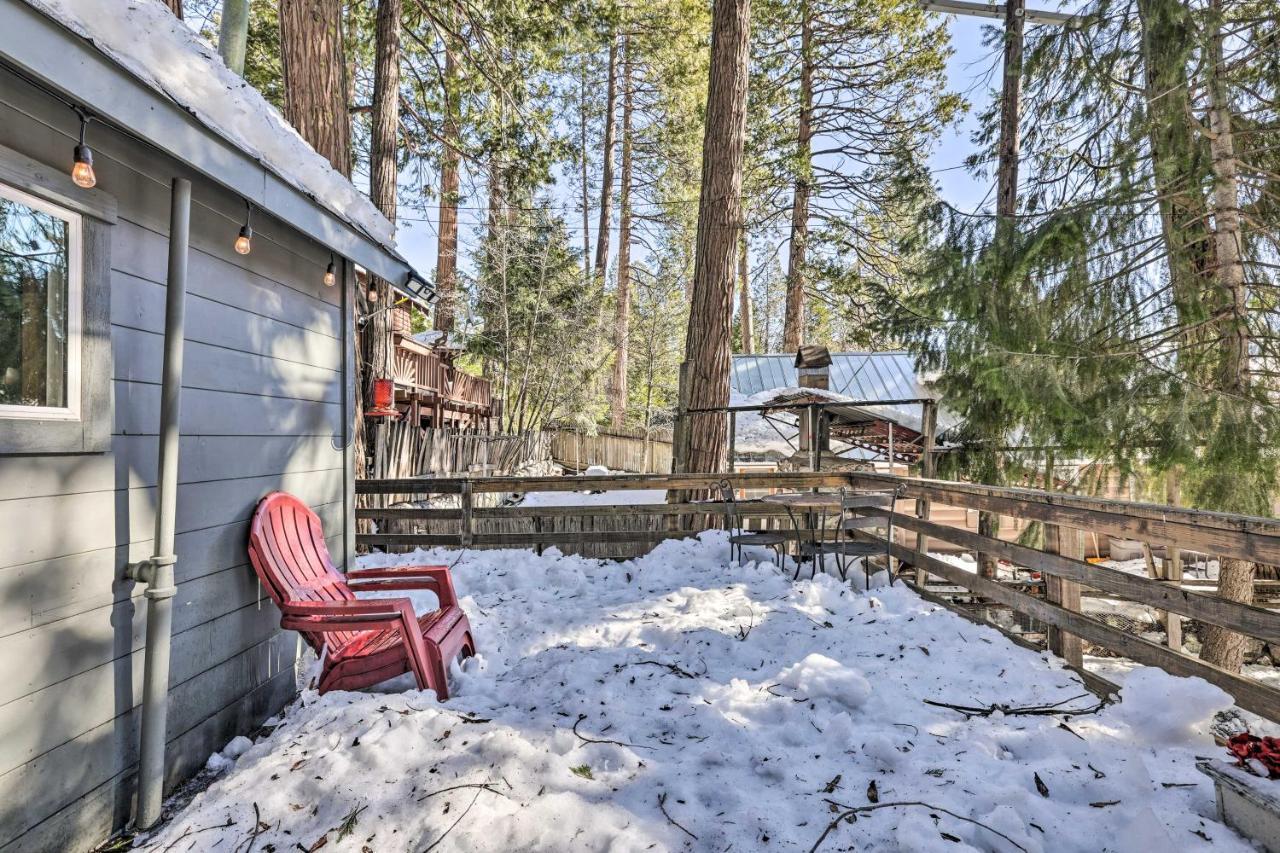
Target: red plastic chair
x=360, y=642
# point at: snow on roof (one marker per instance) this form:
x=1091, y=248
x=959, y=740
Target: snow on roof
x=144, y=38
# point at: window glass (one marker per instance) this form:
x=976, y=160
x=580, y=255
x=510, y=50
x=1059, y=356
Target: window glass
x=38, y=350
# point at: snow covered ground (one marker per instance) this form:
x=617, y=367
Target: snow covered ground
x=676, y=702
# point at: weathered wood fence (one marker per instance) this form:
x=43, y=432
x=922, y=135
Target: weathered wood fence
x=618, y=450
x=413, y=451
x=1066, y=518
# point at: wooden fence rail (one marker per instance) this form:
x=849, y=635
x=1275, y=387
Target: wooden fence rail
x=1217, y=534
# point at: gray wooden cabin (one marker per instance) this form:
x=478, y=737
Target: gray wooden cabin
x=267, y=404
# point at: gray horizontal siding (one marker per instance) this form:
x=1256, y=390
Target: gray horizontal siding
x=36, y=594
x=79, y=765
x=262, y=410
x=102, y=519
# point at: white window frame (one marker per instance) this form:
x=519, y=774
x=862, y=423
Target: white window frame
x=75, y=299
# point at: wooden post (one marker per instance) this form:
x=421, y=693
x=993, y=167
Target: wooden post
x=815, y=452
x=733, y=434
x=1067, y=542
x=1172, y=574
x=928, y=469
x=890, y=447
x=468, y=505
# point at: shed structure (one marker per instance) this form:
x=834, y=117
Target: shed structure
x=267, y=399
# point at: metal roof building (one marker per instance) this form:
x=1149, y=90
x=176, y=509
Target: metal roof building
x=857, y=375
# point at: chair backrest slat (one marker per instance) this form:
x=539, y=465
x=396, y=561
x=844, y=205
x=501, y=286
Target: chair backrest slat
x=288, y=552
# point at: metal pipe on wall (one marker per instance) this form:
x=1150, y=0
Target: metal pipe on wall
x=158, y=572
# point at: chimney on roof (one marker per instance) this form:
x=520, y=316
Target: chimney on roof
x=813, y=363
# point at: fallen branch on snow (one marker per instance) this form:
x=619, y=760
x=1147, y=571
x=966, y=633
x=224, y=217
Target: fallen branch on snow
x=1024, y=711
x=662, y=804
x=850, y=814
x=586, y=739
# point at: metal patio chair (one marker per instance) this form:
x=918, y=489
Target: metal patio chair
x=881, y=505
x=744, y=538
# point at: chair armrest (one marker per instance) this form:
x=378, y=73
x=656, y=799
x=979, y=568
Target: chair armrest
x=434, y=578
x=335, y=616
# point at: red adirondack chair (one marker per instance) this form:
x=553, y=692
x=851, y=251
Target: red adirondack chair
x=360, y=642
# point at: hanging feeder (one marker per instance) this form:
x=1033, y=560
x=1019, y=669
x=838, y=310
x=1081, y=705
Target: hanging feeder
x=384, y=392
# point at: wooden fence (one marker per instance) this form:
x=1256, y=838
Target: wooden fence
x=412, y=451
x=1066, y=518
x=621, y=450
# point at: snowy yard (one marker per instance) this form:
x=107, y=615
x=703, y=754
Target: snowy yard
x=679, y=703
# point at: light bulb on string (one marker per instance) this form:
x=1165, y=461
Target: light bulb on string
x=244, y=243
x=373, y=292
x=82, y=170
x=330, y=277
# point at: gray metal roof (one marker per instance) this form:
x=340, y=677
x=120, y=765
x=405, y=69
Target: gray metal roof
x=857, y=375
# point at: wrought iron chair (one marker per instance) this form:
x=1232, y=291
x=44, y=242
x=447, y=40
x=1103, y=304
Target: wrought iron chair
x=741, y=539
x=851, y=520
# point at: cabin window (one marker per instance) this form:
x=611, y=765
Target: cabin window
x=40, y=303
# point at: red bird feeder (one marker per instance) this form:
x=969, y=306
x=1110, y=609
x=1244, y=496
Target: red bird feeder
x=384, y=393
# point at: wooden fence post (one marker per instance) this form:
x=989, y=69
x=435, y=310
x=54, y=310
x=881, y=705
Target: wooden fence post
x=468, y=505
x=1066, y=542
x=1172, y=574
x=928, y=469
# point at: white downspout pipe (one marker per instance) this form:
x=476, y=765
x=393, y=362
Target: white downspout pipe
x=157, y=573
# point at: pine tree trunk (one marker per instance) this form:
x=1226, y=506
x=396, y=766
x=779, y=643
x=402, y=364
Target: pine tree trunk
x=707, y=340
x=989, y=526
x=315, y=90
x=606, y=174
x=745, y=324
x=582, y=159
x=1228, y=238
x=1235, y=577
x=1168, y=39
x=1222, y=647
x=794, y=320
x=622, y=321
x=383, y=172
x=1010, y=110
x=175, y=6
x=447, y=234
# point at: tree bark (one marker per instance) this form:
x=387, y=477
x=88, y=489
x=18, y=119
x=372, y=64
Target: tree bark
x=707, y=357
x=383, y=174
x=1177, y=160
x=622, y=321
x=606, y=175
x=175, y=6
x=794, y=319
x=315, y=90
x=745, y=324
x=1235, y=577
x=1010, y=111
x=447, y=235
x=583, y=162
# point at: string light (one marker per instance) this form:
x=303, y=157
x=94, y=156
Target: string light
x=373, y=292
x=244, y=243
x=82, y=170
x=330, y=277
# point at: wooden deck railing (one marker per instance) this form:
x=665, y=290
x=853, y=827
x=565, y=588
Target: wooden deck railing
x=430, y=374
x=1061, y=562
